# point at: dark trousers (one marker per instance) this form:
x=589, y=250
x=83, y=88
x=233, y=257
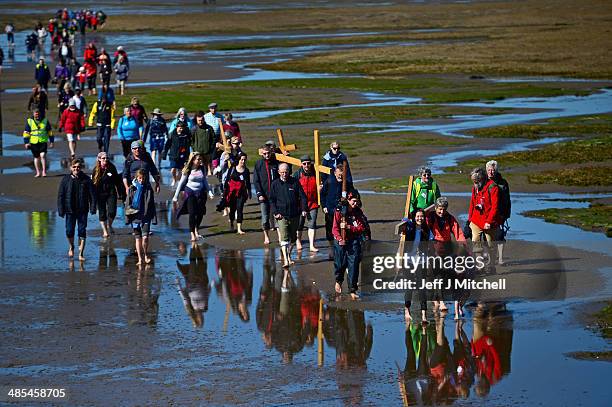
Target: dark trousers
x=72, y=220
x=236, y=206
x=329, y=222
x=107, y=207
x=196, y=212
x=347, y=257
x=126, y=146
x=103, y=138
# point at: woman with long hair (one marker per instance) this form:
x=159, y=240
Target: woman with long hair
x=108, y=186
x=193, y=182
x=237, y=190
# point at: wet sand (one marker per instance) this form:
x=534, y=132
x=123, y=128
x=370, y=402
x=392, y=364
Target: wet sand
x=107, y=324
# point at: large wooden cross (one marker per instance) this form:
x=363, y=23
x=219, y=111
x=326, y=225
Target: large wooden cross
x=399, y=226
x=318, y=168
x=226, y=147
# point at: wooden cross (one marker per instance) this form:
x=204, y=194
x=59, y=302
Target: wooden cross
x=226, y=147
x=318, y=168
x=285, y=148
x=399, y=226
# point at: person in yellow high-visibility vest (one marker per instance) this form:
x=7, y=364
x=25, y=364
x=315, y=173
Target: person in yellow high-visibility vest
x=36, y=134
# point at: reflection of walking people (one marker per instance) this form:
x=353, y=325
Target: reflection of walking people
x=196, y=292
x=36, y=134
x=75, y=199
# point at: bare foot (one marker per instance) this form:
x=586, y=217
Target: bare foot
x=105, y=235
x=37, y=175
x=298, y=247
x=44, y=174
x=199, y=237
x=313, y=249
x=291, y=262
x=354, y=296
x=81, y=257
x=241, y=232
x=139, y=263
x=70, y=253
x=148, y=260
x=266, y=241
x=338, y=288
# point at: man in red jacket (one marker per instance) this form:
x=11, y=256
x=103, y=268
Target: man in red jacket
x=72, y=123
x=308, y=180
x=348, y=229
x=483, y=214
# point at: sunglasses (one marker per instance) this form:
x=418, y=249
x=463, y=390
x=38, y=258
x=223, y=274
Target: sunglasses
x=335, y=148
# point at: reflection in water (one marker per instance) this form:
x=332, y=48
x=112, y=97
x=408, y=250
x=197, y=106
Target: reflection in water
x=196, y=291
x=235, y=284
x=287, y=311
x=108, y=256
x=433, y=374
x=346, y=330
x=143, y=293
x=39, y=225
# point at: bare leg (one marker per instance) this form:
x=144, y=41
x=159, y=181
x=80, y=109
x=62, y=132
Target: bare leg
x=104, y=229
x=173, y=172
x=407, y=316
x=298, y=242
x=285, y=255
x=71, y=247
x=139, y=250
x=239, y=228
x=311, y=239
x=43, y=161
x=266, y=237
x=37, y=167
x=145, y=249
x=81, y=249
x=289, y=250
x=500, y=254
x=110, y=225
x=72, y=148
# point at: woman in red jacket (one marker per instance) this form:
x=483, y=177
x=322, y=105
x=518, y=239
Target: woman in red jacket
x=91, y=70
x=483, y=214
x=307, y=178
x=72, y=123
x=90, y=52
x=349, y=227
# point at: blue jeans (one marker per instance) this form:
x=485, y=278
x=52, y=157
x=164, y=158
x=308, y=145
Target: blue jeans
x=347, y=257
x=72, y=220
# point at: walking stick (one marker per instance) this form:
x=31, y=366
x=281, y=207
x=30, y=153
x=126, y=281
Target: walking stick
x=320, y=334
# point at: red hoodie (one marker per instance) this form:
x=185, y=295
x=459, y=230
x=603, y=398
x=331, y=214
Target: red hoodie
x=355, y=224
x=72, y=121
x=309, y=185
x=488, y=197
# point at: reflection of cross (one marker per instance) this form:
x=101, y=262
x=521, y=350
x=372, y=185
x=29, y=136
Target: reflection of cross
x=318, y=168
x=399, y=227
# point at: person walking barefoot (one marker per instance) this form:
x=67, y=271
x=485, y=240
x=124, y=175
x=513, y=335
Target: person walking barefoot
x=75, y=198
x=193, y=182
